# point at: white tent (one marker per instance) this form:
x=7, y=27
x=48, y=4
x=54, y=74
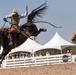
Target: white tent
x=57, y=42
x=28, y=46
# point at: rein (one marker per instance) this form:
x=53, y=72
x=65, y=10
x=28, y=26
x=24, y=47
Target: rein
x=3, y=25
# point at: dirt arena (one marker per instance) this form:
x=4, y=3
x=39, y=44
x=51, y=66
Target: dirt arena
x=59, y=69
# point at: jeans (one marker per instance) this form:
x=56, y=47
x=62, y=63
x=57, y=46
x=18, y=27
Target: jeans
x=11, y=37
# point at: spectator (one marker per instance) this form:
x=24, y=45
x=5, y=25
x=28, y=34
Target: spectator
x=47, y=53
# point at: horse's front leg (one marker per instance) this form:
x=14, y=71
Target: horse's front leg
x=42, y=30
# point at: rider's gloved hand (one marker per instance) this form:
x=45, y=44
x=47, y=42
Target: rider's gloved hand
x=5, y=19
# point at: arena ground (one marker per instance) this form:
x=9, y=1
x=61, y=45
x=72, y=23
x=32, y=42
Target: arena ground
x=57, y=69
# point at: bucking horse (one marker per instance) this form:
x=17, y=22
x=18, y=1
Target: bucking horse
x=25, y=31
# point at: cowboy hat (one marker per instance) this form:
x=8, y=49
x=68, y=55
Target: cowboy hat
x=14, y=11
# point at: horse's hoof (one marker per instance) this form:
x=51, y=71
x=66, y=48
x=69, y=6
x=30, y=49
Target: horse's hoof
x=43, y=29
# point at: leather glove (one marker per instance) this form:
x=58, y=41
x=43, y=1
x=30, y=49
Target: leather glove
x=5, y=19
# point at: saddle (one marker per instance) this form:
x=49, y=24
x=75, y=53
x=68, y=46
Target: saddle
x=7, y=31
x=13, y=29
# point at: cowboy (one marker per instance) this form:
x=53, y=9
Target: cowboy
x=15, y=18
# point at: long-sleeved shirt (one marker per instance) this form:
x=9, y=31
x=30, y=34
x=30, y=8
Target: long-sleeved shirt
x=20, y=16
x=15, y=18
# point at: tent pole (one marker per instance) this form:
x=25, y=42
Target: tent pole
x=61, y=51
x=32, y=53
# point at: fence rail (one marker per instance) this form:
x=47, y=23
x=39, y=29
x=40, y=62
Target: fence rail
x=37, y=61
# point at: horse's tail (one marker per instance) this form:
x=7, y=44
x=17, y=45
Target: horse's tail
x=37, y=12
x=47, y=23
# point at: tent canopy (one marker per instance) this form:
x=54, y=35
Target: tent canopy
x=28, y=46
x=57, y=42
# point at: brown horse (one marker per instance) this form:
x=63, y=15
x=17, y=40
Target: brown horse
x=20, y=37
x=25, y=31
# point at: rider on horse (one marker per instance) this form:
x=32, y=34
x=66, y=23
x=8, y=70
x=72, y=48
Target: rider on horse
x=15, y=18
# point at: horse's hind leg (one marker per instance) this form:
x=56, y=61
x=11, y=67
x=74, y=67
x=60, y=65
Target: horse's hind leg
x=2, y=59
x=2, y=56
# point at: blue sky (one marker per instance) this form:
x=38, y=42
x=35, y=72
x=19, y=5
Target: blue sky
x=60, y=13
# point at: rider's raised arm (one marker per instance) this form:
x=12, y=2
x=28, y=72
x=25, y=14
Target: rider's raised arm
x=26, y=13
